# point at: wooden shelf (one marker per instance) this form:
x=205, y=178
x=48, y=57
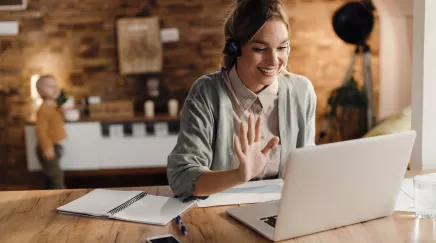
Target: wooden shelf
x=137, y=118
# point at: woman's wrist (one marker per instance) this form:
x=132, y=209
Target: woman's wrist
x=240, y=175
x=207, y=182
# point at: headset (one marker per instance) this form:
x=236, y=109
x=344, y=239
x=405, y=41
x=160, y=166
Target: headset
x=233, y=47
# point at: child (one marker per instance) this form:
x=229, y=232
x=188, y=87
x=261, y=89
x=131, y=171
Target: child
x=50, y=131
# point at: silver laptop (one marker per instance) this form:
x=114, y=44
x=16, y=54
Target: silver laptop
x=333, y=185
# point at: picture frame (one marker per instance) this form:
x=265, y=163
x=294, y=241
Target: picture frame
x=139, y=45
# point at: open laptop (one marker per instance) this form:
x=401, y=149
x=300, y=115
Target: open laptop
x=333, y=185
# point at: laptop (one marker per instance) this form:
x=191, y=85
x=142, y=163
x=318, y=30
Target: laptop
x=333, y=185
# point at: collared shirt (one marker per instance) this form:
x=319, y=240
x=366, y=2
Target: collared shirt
x=264, y=104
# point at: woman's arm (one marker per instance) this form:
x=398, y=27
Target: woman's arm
x=211, y=182
x=310, y=116
x=193, y=153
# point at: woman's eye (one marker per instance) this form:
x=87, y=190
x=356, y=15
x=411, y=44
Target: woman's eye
x=259, y=49
x=283, y=48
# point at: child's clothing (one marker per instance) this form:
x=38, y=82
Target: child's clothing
x=52, y=168
x=50, y=131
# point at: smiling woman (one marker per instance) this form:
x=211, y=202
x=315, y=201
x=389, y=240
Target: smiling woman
x=261, y=32
x=252, y=106
x=264, y=56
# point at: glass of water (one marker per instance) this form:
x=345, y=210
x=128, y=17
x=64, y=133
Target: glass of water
x=425, y=195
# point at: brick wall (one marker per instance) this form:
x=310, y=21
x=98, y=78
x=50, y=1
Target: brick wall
x=76, y=41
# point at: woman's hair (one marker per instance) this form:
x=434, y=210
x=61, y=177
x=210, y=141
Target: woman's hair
x=245, y=19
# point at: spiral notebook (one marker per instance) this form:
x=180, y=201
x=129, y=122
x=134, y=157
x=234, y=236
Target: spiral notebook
x=134, y=206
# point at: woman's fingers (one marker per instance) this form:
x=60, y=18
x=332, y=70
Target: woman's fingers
x=237, y=148
x=250, y=129
x=257, y=130
x=243, y=138
x=270, y=145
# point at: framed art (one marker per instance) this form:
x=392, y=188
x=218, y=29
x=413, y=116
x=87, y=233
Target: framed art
x=139, y=45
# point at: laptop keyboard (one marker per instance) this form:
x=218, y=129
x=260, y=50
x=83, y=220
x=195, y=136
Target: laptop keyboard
x=270, y=220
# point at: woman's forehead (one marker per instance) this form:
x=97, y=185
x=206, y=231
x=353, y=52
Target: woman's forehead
x=272, y=32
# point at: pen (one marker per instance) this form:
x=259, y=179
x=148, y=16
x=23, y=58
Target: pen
x=182, y=227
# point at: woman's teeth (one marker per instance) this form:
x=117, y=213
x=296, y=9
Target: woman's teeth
x=266, y=70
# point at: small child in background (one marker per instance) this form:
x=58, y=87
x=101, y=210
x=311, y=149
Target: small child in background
x=50, y=131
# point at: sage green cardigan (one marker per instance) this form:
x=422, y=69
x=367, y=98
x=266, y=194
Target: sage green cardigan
x=205, y=139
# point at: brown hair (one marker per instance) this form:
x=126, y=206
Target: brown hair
x=246, y=18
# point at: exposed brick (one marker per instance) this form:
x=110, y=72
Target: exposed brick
x=82, y=34
x=77, y=79
x=4, y=45
x=89, y=47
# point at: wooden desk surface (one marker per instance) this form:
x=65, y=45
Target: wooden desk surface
x=30, y=216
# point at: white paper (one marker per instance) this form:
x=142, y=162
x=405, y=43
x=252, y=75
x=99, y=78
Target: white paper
x=270, y=190
x=250, y=192
x=405, y=199
x=169, y=35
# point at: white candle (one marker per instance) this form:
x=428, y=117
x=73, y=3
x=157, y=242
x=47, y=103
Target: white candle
x=149, y=109
x=173, y=107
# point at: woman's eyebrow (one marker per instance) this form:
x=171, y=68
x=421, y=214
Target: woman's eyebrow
x=265, y=42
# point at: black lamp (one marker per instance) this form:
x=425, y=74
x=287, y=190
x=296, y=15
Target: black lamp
x=354, y=21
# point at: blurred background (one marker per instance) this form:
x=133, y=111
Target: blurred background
x=127, y=66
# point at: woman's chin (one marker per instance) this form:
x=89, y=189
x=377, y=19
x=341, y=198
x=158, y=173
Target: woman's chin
x=267, y=80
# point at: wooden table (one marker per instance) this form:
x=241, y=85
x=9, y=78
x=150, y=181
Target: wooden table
x=30, y=216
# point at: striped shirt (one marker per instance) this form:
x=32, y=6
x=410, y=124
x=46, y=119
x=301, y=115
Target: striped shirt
x=264, y=104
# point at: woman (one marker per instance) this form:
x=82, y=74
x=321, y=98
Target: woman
x=241, y=122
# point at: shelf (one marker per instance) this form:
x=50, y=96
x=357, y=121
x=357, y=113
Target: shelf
x=138, y=118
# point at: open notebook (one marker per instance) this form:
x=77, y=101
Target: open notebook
x=135, y=206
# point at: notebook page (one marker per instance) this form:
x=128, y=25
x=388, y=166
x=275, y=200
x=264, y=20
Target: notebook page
x=249, y=192
x=405, y=199
x=98, y=202
x=407, y=187
x=404, y=203
x=153, y=210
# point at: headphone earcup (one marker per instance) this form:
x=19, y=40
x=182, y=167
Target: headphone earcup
x=233, y=48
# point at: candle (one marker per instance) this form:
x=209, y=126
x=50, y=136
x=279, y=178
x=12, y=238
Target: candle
x=149, y=109
x=173, y=107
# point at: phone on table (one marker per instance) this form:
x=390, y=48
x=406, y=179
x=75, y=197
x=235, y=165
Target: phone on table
x=162, y=239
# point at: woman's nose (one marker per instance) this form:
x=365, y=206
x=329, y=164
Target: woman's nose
x=273, y=58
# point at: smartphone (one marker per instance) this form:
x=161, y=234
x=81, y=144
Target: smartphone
x=162, y=239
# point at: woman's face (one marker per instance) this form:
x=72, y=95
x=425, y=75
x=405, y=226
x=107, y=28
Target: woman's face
x=264, y=56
